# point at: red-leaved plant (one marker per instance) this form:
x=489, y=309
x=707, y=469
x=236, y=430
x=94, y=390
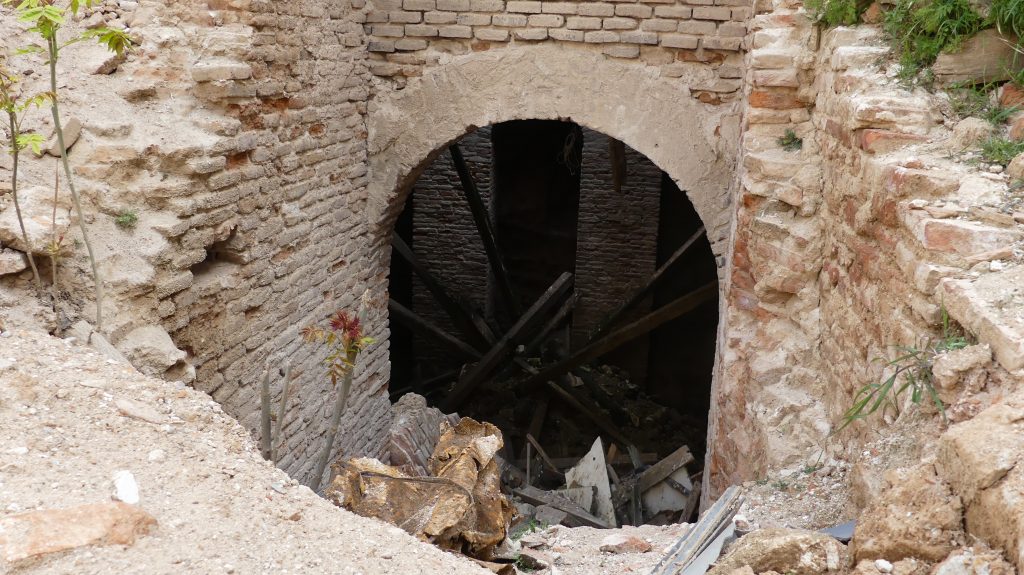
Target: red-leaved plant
x=344, y=340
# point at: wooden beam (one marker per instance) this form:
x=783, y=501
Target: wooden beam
x=550, y=325
x=579, y=516
x=483, y=225
x=454, y=306
x=431, y=331
x=490, y=361
x=644, y=290
x=543, y=454
x=624, y=335
x=591, y=411
x=664, y=468
x=619, y=459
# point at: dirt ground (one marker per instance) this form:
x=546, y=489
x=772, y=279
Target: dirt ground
x=220, y=508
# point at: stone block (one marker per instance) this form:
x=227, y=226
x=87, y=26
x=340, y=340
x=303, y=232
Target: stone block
x=12, y=262
x=964, y=238
x=979, y=305
x=566, y=35
x=601, y=37
x=679, y=41
x=491, y=34
x=564, y=8
x=875, y=141
x=596, y=9
x=532, y=34
x=583, y=23
x=546, y=20
x=720, y=13
x=638, y=37
x=985, y=57
x=509, y=20
x=618, y=24
x=621, y=51
x=524, y=6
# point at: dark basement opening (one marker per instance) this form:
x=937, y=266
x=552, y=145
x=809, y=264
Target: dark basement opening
x=526, y=331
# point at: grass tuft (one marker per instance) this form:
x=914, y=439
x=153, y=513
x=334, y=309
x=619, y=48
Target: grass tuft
x=1000, y=150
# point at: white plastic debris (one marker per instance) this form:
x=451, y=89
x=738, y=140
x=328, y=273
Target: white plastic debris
x=125, y=487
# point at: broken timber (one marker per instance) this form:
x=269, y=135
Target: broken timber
x=625, y=334
x=646, y=288
x=579, y=517
x=479, y=371
x=708, y=530
x=461, y=316
x=657, y=473
x=483, y=224
x=430, y=331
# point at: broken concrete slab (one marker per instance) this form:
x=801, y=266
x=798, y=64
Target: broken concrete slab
x=591, y=472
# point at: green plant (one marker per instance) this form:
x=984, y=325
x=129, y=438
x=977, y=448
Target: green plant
x=344, y=340
x=127, y=219
x=781, y=485
x=1000, y=150
x=978, y=102
x=914, y=367
x=835, y=12
x=16, y=109
x=1008, y=16
x=46, y=19
x=790, y=142
x=920, y=30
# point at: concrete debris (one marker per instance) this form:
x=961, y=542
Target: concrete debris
x=621, y=543
x=85, y=333
x=40, y=226
x=38, y=533
x=785, y=551
x=591, y=471
x=916, y=515
x=459, y=507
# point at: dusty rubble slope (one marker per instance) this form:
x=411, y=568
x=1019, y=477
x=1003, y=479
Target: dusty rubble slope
x=220, y=507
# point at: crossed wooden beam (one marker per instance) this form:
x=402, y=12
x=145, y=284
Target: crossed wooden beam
x=486, y=352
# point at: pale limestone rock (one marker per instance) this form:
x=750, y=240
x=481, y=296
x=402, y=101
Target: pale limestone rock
x=37, y=213
x=1016, y=168
x=915, y=516
x=969, y=132
x=140, y=411
x=12, y=262
x=72, y=130
x=951, y=366
x=972, y=561
x=87, y=334
x=785, y=551
x=150, y=349
x=53, y=530
x=982, y=58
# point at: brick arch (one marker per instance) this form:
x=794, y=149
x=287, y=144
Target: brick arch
x=693, y=142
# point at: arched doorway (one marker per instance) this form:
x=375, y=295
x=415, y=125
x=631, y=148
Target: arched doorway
x=693, y=143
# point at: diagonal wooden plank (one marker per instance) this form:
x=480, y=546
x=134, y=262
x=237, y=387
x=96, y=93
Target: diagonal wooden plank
x=431, y=331
x=454, y=306
x=625, y=334
x=644, y=290
x=483, y=225
x=518, y=332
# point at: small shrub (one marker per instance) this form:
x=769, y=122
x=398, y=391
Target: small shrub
x=977, y=102
x=835, y=12
x=921, y=30
x=126, y=220
x=1008, y=16
x=914, y=369
x=790, y=142
x=1000, y=150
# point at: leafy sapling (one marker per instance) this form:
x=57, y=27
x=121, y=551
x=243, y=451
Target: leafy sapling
x=16, y=108
x=46, y=19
